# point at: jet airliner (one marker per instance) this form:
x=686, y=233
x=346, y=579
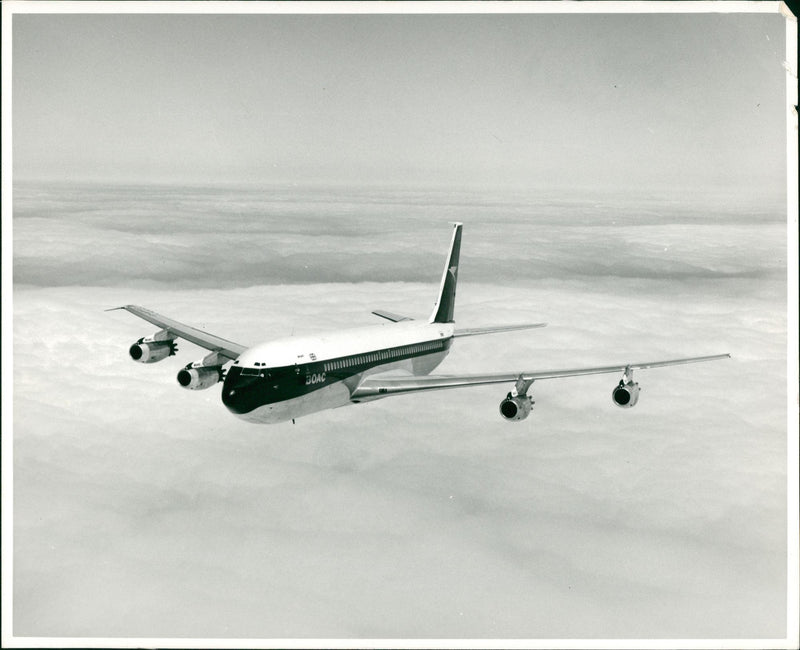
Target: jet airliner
x=292, y=377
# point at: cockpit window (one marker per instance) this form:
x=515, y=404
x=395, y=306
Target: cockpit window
x=249, y=371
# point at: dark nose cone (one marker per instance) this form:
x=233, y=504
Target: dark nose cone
x=229, y=398
x=240, y=394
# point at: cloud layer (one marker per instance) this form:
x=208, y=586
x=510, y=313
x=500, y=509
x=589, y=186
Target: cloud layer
x=145, y=510
x=234, y=237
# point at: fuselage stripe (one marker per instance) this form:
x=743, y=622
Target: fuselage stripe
x=251, y=386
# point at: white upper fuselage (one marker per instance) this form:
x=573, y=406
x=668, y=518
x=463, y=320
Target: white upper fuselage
x=299, y=350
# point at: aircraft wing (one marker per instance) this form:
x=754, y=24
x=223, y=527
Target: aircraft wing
x=205, y=340
x=376, y=387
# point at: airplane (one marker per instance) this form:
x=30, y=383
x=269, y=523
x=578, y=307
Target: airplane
x=292, y=377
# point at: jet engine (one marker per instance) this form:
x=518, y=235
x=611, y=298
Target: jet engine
x=516, y=408
x=149, y=351
x=199, y=377
x=625, y=394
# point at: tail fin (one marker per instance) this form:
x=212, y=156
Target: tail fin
x=443, y=310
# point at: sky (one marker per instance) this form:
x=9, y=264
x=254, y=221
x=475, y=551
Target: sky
x=693, y=103
x=619, y=177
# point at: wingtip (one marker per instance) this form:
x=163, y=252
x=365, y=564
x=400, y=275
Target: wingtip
x=126, y=307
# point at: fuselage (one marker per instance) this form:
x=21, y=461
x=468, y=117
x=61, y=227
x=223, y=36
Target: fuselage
x=295, y=376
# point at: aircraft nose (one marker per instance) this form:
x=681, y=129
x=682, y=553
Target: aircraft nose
x=229, y=396
x=237, y=392
x=230, y=391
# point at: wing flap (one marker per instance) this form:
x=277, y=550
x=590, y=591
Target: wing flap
x=377, y=387
x=205, y=340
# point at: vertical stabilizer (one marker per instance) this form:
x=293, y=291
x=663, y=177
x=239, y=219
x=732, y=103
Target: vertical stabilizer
x=443, y=310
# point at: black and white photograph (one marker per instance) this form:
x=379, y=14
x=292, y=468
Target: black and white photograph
x=459, y=324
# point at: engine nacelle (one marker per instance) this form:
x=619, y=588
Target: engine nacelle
x=516, y=408
x=151, y=351
x=200, y=378
x=625, y=395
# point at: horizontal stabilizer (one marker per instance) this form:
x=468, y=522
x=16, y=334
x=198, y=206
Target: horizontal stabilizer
x=395, y=318
x=476, y=331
